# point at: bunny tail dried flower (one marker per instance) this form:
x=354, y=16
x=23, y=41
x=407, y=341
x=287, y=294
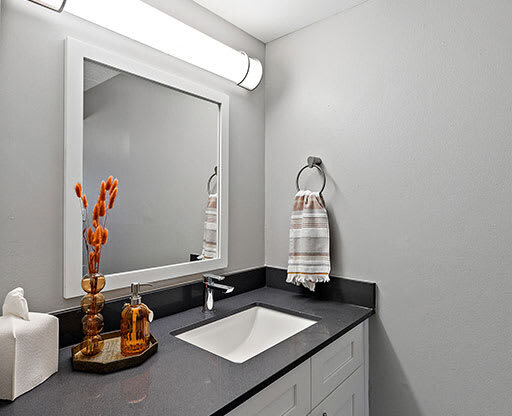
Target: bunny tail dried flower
x=108, y=185
x=98, y=235
x=96, y=213
x=114, y=186
x=103, y=192
x=78, y=189
x=112, y=198
x=103, y=209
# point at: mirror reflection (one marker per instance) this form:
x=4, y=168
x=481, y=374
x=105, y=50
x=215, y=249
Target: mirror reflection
x=161, y=144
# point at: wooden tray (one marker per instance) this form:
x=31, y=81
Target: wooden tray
x=110, y=358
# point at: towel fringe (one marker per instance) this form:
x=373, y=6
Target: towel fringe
x=306, y=281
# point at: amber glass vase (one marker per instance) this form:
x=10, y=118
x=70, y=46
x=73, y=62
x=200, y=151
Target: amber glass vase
x=92, y=322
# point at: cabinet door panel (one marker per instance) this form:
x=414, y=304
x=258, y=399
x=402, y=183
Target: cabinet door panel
x=331, y=366
x=346, y=400
x=288, y=396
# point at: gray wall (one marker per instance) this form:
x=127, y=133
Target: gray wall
x=31, y=139
x=149, y=137
x=409, y=104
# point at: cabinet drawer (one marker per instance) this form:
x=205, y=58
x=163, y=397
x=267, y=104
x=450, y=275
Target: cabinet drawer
x=288, y=396
x=346, y=400
x=332, y=366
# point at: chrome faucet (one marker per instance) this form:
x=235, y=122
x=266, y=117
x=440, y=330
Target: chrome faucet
x=210, y=283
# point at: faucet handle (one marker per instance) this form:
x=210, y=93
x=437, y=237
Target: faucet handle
x=211, y=276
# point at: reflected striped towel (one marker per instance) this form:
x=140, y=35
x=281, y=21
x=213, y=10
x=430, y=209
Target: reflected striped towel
x=309, y=261
x=210, y=229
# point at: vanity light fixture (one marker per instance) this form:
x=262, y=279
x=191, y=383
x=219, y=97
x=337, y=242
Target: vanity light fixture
x=145, y=24
x=55, y=5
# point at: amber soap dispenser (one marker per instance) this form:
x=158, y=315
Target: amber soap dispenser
x=135, y=319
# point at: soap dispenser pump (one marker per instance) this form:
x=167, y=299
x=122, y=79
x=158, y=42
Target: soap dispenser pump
x=135, y=319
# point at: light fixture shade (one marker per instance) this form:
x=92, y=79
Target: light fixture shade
x=254, y=75
x=56, y=5
x=141, y=22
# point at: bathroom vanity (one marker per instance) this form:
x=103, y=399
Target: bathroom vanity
x=322, y=369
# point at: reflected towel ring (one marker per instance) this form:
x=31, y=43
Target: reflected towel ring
x=210, y=180
x=313, y=162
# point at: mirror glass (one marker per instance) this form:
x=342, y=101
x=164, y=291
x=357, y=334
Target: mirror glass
x=162, y=145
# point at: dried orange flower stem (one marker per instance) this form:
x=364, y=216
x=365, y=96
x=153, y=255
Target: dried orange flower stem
x=97, y=236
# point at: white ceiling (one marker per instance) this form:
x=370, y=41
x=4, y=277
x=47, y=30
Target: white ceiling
x=267, y=20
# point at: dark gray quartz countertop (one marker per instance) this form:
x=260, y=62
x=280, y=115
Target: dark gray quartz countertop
x=183, y=380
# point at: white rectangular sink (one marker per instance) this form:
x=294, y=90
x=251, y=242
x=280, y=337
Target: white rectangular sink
x=247, y=333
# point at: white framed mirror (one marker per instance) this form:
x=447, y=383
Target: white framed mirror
x=166, y=140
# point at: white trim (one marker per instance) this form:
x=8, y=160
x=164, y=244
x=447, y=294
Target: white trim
x=76, y=52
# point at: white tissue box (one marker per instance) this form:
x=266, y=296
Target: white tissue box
x=29, y=352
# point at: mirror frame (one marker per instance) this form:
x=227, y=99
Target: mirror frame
x=75, y=54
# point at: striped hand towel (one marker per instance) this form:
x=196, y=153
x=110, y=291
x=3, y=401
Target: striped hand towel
x=309, y=261
x=210, y=230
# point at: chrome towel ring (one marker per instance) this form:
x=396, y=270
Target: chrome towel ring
x=208, y=189
x=313, y=162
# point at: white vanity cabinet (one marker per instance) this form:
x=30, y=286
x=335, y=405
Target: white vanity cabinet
x=334, y=382
x=335, y=363
x=347, y=400
x=290, y=396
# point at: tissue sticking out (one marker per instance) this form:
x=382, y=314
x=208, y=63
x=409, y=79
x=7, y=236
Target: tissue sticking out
x=16, y=304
